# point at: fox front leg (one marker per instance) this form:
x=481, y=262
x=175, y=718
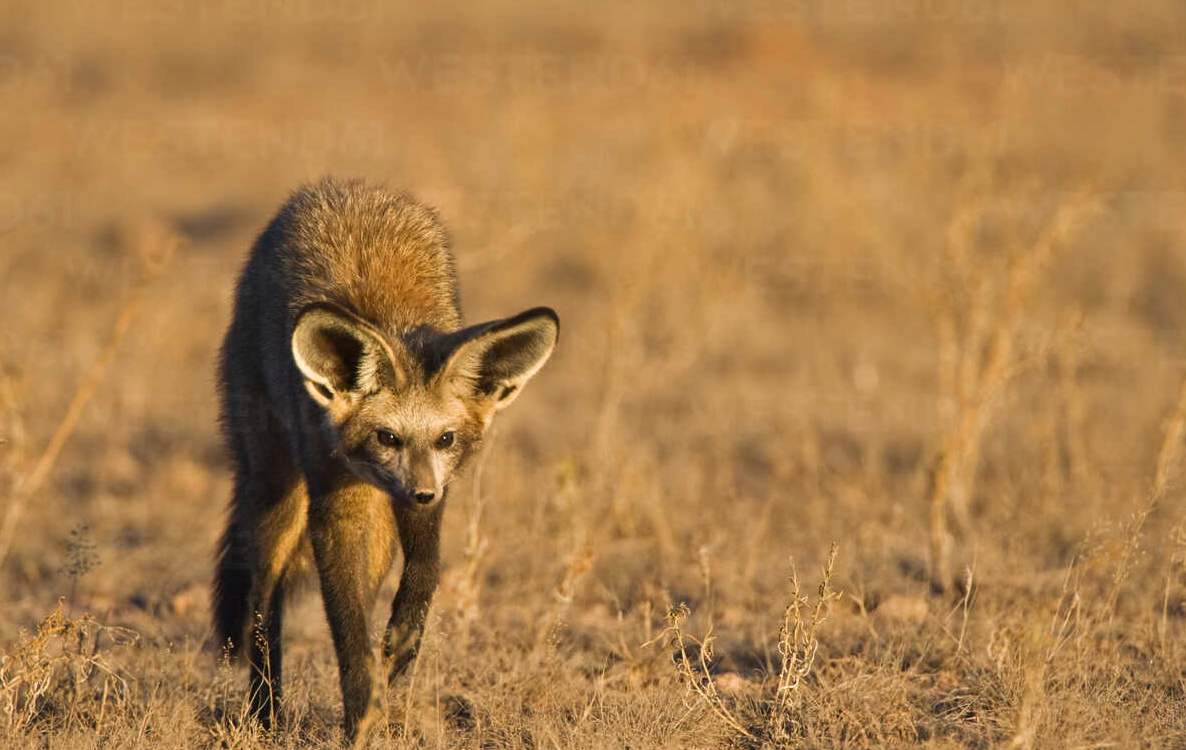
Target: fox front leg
x=420, y=537
x=339, y=533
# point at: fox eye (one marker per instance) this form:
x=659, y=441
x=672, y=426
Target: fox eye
x=388, y=439
x=445, y=440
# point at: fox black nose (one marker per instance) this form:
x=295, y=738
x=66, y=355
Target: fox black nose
x=424, y=497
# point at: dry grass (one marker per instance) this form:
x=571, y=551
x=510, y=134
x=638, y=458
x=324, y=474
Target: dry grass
x=909, y=278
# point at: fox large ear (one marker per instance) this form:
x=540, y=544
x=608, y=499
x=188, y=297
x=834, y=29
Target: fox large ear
x=495, y=359
x=339, y=354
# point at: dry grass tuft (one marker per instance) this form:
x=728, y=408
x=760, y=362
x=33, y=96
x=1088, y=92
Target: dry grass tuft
x=55, y=675
x=797, y=647
x=977, y=362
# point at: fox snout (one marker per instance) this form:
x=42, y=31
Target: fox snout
x=423, y=481
x=416, y=498
x=415, y=495
x=413, y=489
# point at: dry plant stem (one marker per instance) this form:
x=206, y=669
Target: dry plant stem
x=156, y=258
x=7, y=400
x=797, y=643
x=1061, y=629
x=787, y=641
x=65, y=653
x=704, y=687
x=979, y=381
x=90, y=384
x=12, y=430
x=940, y=560
x=945, y=329
x=706, y=578
x=1167, y=461
x=1036, y=653
x=578, y=565
x=1072, y=397
x=123, y=323
x=1171, y=446
x=968, y=581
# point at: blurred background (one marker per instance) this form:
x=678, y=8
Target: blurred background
x=910, y=277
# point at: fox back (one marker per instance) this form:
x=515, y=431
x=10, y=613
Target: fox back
x=377, y=255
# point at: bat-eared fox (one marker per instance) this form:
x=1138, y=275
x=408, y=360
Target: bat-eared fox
x=351, y=394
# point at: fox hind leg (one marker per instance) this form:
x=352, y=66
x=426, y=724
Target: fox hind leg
x=278, y=536
x=267, y=520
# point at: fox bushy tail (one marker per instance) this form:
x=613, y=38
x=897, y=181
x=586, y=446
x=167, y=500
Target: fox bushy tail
x=232, y=589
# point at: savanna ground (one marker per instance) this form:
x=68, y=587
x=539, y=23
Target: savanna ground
x=909, y=278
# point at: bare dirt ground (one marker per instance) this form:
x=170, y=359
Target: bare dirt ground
x=909, y=278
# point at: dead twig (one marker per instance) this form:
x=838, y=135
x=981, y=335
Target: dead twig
x=28, y=486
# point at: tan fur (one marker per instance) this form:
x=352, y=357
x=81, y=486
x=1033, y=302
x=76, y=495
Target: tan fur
x=351, y=395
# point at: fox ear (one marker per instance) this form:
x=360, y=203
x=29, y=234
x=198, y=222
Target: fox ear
x=338, y=353
x=495, y=359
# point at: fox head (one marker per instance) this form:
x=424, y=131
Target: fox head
x=404, y=414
